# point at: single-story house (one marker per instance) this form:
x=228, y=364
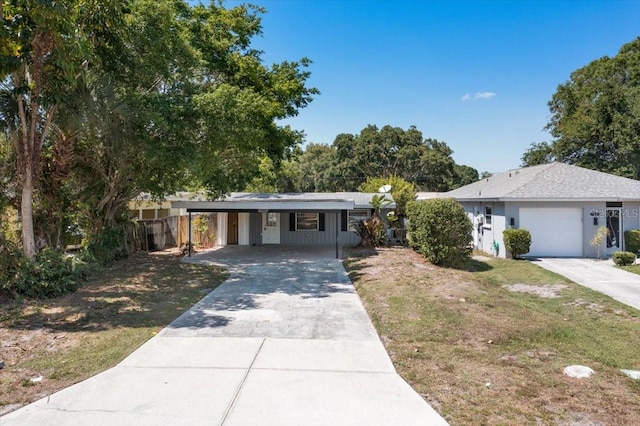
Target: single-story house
x=561, y=205
x=145, y=207
x=321, y=219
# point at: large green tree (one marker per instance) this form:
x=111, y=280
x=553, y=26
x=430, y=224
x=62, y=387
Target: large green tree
x=99, y=107
x=47, y=48
x=595, y=115
x=389, y=151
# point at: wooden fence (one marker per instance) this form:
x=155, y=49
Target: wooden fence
x=158, y=234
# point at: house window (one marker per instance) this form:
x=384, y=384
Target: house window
x=357, y=215
x=272, y=219
x=307, y=221
x=487, y=215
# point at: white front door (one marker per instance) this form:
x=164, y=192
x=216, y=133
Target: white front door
x=271, y=228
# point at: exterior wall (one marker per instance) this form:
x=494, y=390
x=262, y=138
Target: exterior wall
x=485, y=235
x=255, y=229
x=590, y=212
x=319, y=238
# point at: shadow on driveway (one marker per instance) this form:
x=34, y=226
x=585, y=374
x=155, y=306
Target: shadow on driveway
x=277, y=291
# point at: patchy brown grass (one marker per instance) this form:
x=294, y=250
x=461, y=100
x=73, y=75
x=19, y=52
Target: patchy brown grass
x=68, y=339
x=482, y=354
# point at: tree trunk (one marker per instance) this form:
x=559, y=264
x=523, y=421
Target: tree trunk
x=26, y=209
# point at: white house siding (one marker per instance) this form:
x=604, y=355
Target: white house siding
x=487, y=234
x=630, y=218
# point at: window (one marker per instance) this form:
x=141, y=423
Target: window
x=272, y=219
x=487, y=215
x=307, y=221
x=357, y=215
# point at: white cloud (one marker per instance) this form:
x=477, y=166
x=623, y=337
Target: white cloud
x=484, y=95
x=479, y=95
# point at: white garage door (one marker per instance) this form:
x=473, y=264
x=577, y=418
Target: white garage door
x=554, y=232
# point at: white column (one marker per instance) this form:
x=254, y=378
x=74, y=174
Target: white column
x=243, y=229
x=221, y=234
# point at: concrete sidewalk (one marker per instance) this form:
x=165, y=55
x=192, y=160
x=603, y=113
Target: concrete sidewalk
x=597, y=275
x=285, y=341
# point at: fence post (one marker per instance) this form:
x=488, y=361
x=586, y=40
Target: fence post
x=189, y=234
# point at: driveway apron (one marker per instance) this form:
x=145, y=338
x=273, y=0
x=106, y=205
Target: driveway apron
x=284, y=341
x=598, y=275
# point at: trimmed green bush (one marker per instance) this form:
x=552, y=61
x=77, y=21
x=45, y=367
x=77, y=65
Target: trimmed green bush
x=440, y=230
x=632, y=240
x=622, y=258
x=517, y=241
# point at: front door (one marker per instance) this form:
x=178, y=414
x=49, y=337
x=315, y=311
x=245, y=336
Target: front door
x=232, y=231
x=271, y=228
x=614, y=225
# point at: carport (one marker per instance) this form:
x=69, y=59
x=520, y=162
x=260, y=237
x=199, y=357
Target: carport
x=320, y=219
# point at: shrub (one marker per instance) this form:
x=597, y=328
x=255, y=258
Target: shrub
x=517, y=241
x=632, y=240
x=51, y=273
x=440, y=230
x=371, y=231
x=108, y=246
x=622, y=258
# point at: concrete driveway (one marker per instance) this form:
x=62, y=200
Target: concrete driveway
x=285, y=341
x=598, y=275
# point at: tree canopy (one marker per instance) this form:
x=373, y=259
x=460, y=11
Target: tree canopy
x=104, y=99
x=595, y=117
x=377, y=153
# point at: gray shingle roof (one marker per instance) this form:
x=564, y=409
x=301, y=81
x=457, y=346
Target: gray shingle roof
x=555, y=181
x=360, y=199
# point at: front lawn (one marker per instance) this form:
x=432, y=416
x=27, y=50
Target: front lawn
x=58, y=342
x=484, y=354
x=635, y=268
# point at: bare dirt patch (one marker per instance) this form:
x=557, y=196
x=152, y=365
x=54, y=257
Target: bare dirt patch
x=70, y=338
x=482, y=355
x=546, y=291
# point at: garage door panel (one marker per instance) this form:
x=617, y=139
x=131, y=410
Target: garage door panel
x=554, y=231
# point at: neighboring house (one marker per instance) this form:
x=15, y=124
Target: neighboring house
x=561, y=205
x=144, y=207
x=321, y=219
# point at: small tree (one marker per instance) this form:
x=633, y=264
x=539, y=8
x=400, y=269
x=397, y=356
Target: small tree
x=440, y=230
x=517, y=241
x=598, y=239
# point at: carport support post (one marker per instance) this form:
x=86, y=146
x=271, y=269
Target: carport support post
x=337, y=235
x=189, y=235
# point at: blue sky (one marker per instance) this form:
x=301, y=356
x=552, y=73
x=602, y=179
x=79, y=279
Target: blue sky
x=475, y=74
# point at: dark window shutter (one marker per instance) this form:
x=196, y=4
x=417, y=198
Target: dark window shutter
x=372, y=212
x=321, y=221
x=292, y=221
x=343, y=219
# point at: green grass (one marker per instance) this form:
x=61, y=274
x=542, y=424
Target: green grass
x=450, y=332
x=70, y=338
x=631, y=268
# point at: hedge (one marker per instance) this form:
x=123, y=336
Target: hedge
x=632, y=240
x=440, y=230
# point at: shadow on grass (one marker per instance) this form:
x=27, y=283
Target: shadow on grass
x=473, y=265
x=145, y=290
x=351, y=260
